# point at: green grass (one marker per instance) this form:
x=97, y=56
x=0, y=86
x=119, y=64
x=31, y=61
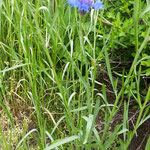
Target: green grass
x=48, y=72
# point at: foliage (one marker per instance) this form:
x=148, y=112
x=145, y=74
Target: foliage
x=50, y=59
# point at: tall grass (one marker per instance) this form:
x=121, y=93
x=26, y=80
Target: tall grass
x=48, y=66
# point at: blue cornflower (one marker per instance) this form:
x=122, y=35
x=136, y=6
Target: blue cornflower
x=85, y=5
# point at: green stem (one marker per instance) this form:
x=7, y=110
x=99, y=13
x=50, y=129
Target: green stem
x=136, y=20
x=84, y=58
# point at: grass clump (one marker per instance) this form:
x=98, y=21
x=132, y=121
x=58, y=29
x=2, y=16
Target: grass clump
x=65, y=77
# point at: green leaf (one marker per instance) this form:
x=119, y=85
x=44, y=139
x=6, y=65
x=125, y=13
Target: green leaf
x=8, y=114
x=148, y=144
x=61, y=142
x=112, y=137
x=88, y=128
x=14, y=67
x=33, y=130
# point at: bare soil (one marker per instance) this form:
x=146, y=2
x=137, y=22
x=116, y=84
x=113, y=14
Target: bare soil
x=143, y=132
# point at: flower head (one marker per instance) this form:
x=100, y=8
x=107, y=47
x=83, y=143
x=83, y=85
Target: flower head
x=85, y=5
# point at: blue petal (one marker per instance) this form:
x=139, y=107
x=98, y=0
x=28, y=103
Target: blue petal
x=74, y=3
x=98, y=5
x=86, y=2
x=84, y=7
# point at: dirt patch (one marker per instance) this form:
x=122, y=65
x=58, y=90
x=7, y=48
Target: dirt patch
x=140, y=138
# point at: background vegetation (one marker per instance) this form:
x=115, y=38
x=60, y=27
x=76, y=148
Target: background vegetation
x=64, y=77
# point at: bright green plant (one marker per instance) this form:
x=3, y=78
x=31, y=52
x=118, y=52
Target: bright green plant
x=49, y=61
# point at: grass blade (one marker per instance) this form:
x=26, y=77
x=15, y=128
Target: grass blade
x=61, y=142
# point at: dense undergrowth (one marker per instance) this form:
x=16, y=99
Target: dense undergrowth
x=53, y=71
